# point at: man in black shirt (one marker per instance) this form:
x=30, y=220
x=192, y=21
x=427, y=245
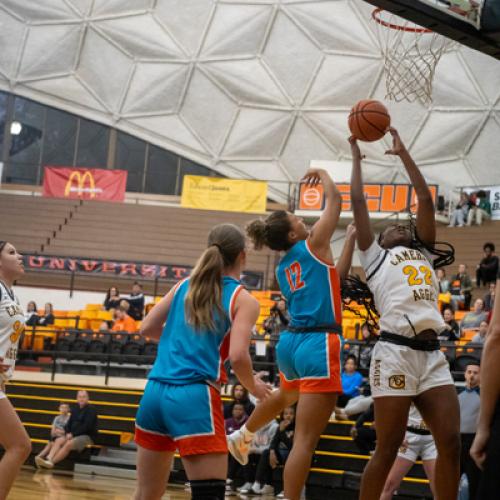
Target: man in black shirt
x=81, y=430
x=487, y=269
x=136, y=301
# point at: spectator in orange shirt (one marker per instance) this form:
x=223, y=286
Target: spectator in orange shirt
x=123, y=322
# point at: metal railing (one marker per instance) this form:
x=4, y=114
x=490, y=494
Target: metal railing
x=125, y=352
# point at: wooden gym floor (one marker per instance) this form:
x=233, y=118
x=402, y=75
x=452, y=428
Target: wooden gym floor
x=46, y=485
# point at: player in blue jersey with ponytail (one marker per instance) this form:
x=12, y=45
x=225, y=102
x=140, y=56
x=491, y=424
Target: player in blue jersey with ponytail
x=201, y=322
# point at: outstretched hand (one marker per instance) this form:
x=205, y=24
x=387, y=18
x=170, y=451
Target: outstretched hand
x=356, y=152
x=313, y=176
x=350, y=231
x=397, y=144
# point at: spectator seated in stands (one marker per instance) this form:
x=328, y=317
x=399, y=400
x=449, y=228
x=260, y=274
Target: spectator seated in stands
x=57, y=431
x=480, y=210
x=364, y=351
x=351, y=382
x=365, y=437
x=260, y=444
x=355, y=406
x=487, y=269
x=461, y=288
x=112, y=300
x=480, y=336
x=472, y=320
x=489, y=298
x=239, y=395
x=276, y=455
x=237, y=419
x=443, y=283
x=278, y=319
x=81, y=431
x=452, y=331
x=31, y=314
x=136, y=301
x=459, y=214
x=123, y=322
x=48, y=318
x=235, y=422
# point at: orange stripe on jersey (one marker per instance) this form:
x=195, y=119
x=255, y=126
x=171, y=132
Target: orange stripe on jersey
x=232, y=305
x=314, y=254
x=335, y=294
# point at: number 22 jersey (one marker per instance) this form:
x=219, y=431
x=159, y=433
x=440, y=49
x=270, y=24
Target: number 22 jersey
x=11, y=328
x=405, y=288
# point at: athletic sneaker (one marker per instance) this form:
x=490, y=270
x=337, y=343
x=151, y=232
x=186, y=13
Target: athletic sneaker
x=238, y=447
x=245, y=488
x=38, y=462
x=46, y=464
x=267, y=489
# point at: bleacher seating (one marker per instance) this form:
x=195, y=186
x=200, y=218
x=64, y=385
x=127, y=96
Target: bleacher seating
x=337, y=464
x=29, y=221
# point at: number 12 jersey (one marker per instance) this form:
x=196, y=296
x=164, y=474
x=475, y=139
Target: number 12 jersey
x=310, y=286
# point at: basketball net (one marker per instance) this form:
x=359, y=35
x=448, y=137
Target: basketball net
x=411, y=54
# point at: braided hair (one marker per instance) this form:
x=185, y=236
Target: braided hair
x=444, y=256
x=355, y=289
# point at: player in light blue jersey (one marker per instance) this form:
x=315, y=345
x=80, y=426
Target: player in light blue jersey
x=309, y=349
x=201, y=322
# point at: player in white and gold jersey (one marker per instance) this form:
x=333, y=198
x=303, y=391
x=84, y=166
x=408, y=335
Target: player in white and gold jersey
x=418, y=442
x=407, y=365
x=13, y=437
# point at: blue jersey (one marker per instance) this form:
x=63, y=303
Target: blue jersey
x=310, y=286
x=186, y=355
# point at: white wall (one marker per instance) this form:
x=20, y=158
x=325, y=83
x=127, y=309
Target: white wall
x=60, y=298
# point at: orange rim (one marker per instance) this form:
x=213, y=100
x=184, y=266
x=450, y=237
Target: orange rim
x=376, y=17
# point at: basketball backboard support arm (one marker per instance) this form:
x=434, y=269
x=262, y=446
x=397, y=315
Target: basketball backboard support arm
x=444, y=24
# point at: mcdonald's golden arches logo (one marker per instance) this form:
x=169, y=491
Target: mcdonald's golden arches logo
x=81, y=180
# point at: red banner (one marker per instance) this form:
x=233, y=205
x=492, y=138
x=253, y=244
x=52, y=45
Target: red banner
x=85, y=183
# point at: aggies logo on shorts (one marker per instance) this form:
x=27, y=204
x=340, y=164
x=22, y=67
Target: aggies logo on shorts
x=397, y=382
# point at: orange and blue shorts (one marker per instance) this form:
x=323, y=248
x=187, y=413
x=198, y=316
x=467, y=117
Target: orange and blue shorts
x=187, y=418
x=310, y=362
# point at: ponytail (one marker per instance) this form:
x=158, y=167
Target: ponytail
x=271, y=232
x=205, y=290
x=204, y=298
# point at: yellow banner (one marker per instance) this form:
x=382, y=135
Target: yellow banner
x=231, y=195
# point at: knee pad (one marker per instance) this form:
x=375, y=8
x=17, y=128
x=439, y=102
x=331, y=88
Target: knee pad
x=208, y=489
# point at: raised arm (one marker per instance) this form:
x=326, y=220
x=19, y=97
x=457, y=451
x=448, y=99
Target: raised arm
x=345, y=260
x=246, y=314
x=426, y=223
x=322, y=231
x=152, y=325
x=364, y=231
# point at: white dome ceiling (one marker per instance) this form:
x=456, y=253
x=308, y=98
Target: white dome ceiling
x=249, y=88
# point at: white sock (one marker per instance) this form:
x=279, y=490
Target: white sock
x=247, y=435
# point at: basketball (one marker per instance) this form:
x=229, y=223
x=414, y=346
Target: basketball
x=369, y=120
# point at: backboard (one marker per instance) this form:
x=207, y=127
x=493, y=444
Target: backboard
x=475, y=23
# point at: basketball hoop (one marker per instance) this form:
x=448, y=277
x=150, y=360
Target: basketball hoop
x=411, y=54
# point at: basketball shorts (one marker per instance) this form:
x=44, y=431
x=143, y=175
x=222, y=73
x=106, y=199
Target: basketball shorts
x=187, y=418
x=397, y=370
x=310, y=362
x=416, y=445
